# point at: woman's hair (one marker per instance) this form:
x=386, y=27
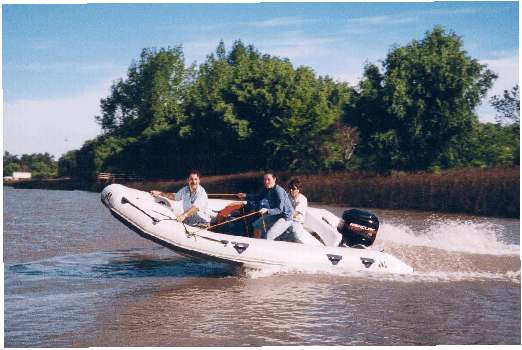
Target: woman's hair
x=295, y=183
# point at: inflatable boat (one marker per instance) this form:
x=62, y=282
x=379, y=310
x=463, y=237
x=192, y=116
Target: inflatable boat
x=338, y=249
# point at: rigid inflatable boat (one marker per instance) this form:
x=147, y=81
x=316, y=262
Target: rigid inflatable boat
x=155, y=219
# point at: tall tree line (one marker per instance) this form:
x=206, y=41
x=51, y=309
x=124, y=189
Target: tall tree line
x=41, y=165
x=244, y=110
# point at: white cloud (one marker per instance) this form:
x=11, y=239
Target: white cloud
x=282, y=22
x=297, y=47
x=198, y=50
x=508, y=72
x=352, y=77
x=289, y=44
x=408, y=17
x=52, y=125
x=451, y=12
x=381, y=20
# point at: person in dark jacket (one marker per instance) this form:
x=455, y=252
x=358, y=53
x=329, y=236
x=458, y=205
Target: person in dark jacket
x=274, y=206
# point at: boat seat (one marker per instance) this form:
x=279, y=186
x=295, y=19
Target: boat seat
x=324, y=224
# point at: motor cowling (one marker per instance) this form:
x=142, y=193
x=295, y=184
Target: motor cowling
x=358, y=227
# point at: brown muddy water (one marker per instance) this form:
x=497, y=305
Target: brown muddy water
x=76, y=277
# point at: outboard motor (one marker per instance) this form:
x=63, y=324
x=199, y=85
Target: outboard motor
x=358, y=227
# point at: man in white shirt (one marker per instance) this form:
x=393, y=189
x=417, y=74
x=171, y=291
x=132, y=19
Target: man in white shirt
x=300, y=204
x=195, y=201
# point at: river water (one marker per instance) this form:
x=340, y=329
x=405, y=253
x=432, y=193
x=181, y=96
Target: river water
x=76, y=277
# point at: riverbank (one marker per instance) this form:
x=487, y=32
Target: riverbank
x=485, y=192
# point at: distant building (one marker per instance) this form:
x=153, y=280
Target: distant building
x=20, y=175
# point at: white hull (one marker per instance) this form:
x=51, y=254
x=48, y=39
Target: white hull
x=154, y=221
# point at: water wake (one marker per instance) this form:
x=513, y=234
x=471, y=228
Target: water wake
x=419, y=276
x=453, y=236
x=442, y=251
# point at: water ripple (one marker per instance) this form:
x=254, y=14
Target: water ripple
x=118, y=265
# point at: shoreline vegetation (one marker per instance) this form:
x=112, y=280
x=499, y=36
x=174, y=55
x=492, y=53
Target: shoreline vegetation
x=405, y=136
x=484, y=192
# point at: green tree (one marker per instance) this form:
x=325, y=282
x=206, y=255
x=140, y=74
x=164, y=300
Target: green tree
x=259, y=111
x=507, y=106
x=41, y=165
x=149, y=104
x=67, y=164
x=92, y=157
x=367, y=111
x=11, y=164
x=487, y=145
x=151, y=98
x=508, y=118
x=425, y=98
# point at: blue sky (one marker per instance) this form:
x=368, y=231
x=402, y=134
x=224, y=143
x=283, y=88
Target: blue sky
x=59, y=60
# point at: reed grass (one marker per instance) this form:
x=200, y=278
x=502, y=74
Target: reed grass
x=486, y=192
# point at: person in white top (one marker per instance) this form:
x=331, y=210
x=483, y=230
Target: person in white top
x=195, y=201
x=300, y=204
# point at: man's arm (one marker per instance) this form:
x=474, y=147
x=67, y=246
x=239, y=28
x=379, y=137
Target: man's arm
x=193, y=210
x=167, y=195
x=249, y=197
